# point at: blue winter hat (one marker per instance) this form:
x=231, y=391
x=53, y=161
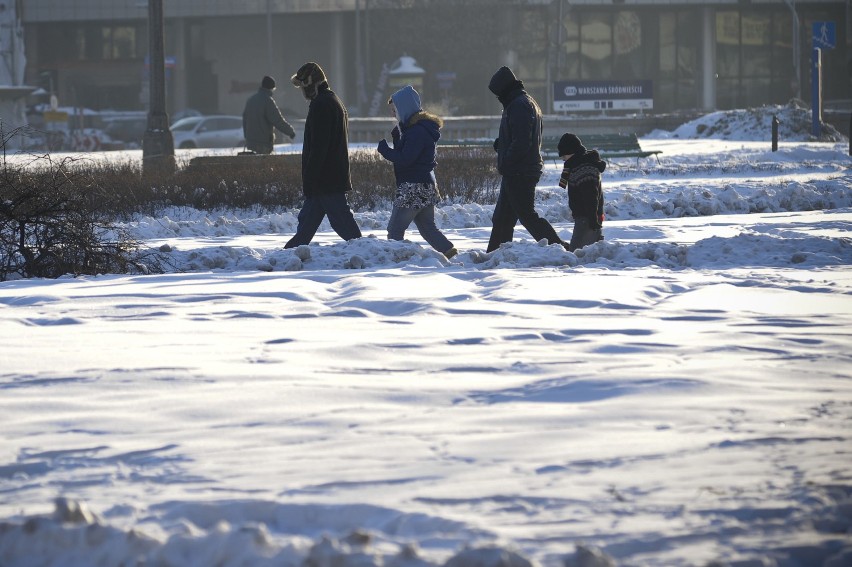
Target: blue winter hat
x=407, y=103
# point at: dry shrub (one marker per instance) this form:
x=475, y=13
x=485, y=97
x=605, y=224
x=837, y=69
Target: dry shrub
x=464, y=175
x=56, y=219
x=468, y=174
x=274, y=182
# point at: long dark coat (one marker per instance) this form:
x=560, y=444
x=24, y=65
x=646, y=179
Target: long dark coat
x=325, y=153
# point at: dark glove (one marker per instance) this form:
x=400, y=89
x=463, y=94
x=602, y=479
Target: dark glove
x=496, y=143
x=383, y=146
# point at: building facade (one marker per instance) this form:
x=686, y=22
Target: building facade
x=697, y=55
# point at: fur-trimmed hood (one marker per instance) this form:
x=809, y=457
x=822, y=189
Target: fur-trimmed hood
x=423, y=115
x=428, y=121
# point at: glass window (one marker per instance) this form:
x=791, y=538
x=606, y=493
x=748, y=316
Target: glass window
x=668, y=46
x=88, y=43
x=756, y=48
x=186, y=124
x=570, y=47
x=596, y=46
x=628, y=61
x=783, y=67
x=727, y=44
x=119, y=42
x=688, y=34
x=124, y=42
x=675, y=85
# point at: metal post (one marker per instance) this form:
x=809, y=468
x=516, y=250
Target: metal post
x=797, y=57
x=774, y=133
x=367, y=60
x=816, y=91
x=158, y=146
x=359, y=62
x=269, y=36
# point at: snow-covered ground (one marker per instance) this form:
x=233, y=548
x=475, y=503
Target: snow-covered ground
x=678, y=394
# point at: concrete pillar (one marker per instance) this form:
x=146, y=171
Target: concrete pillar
x=708, y=58
x=179, y=78
x=339, y=49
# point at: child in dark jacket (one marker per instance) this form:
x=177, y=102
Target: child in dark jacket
x=581, y=174
x=413, y=156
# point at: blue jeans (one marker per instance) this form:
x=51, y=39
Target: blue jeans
x=315, y=209
x=424, y=219
x=517, y=202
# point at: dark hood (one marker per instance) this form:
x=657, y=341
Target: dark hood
x=504, y=82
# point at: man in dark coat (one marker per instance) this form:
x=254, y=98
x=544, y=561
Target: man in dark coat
x=519, y=162
x=325, y=160
x=581, y=175
x=260, y=115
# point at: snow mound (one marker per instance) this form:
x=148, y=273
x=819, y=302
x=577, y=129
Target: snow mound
x=754, y=124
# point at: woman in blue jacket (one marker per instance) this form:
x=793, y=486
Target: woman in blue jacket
x=413, y=157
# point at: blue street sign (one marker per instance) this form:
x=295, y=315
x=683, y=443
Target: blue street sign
x=824, y=35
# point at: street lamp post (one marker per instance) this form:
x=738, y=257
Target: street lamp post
x=158, y=146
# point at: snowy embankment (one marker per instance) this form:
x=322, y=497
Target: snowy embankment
x=724, y=179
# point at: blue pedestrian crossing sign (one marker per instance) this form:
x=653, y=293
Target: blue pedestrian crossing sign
x=824, y=35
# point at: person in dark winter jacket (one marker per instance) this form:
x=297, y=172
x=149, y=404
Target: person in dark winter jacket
x=581, y=174
x=260, y=115
x=413, y=156
x=325, y=160
x=519, y=162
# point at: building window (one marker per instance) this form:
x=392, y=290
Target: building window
x=676, y=85
x=628, y=59
x=597, y=45
x=119, y=42
x=753, y=58
x=94, y=43
x=783, y=78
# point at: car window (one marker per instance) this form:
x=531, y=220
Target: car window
x=185, y=124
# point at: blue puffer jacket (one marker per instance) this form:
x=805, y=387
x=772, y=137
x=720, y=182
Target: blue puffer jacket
x=413, y=151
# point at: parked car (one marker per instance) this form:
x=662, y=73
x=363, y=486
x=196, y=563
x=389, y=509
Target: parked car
x=209, y=132
x=127, y=131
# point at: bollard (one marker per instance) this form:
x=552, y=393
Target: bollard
x=774, y=133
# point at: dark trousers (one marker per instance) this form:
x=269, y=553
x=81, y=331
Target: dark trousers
x=584, y=234
x=517, y=202
x=315, y=209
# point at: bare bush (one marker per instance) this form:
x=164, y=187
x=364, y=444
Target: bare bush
x=468, y=174
x=55, y=220
x=274, y=183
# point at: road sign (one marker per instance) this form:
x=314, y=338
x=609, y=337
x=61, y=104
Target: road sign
x=824, y=35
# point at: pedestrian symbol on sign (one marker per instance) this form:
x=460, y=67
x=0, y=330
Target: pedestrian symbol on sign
x=824, y=35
